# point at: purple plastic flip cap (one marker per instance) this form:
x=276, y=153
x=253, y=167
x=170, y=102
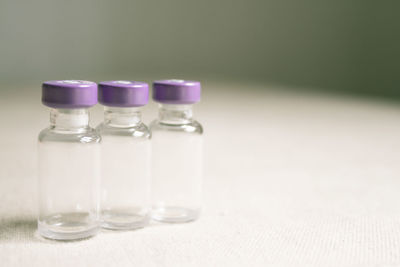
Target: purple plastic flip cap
x=176, y=91
x=69, y=94
x=123, y=93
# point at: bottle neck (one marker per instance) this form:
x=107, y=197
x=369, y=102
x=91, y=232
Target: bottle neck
x=69, y=120
x=175, y=114
x=122, y=117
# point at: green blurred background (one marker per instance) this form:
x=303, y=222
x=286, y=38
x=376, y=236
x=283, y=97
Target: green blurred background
x=342, y=45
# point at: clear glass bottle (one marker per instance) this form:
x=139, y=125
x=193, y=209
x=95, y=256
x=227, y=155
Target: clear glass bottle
x=125, y=156
x=176, y=153
x=68, y=159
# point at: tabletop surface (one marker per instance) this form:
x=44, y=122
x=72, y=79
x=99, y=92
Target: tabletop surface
x=291, y=179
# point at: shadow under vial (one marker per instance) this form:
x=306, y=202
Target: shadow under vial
x=17, y=229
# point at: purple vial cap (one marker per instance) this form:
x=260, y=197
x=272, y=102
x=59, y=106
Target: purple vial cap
x=69, y=94
x=123, y=93
x=176, y=91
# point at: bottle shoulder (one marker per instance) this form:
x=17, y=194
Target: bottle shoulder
x=89, y=135
x=138, y=131
x=193, y=127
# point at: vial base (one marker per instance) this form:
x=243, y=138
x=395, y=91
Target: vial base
x=116, y=220
x=68, y=226
x=172, y=214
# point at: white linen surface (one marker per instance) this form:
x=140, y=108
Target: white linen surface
x=290, y=180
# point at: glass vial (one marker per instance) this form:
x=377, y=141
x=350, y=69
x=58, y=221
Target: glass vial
x=68, y=154
x=176, y=153
x=125, y=156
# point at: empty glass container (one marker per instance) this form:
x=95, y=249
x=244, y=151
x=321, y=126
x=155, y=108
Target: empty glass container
x=176, y=153
x=125, y=156
x=68, y=154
